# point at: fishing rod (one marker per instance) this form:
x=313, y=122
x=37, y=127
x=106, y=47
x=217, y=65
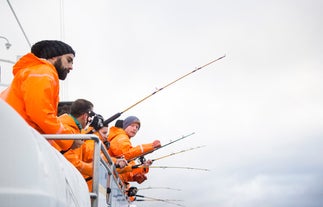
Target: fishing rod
x=187, y=168
x=170, y=201
x=176, y=140
x=171, y=154
x=175, y=153
x=168, y=188
x=158, y=199
x=161, y=201
x=117, y=115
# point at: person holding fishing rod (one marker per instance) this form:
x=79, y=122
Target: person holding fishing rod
x=120, y=146
x=81, y=115
x=87, y=156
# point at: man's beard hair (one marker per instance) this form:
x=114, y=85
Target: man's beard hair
x=62, y=72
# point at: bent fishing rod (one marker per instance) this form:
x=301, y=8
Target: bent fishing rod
x=175, y=153
x=167, y=188
x=117, y=115
x=171, y=154
x=157, y=199
x=176, y=140
x=177, y=167
x=141, y=165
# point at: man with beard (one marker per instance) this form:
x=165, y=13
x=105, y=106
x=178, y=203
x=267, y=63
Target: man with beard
x=34, y=90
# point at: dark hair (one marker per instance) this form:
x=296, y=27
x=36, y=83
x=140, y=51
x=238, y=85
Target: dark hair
x=64, y=107
x=80, y=106
x=119, y=123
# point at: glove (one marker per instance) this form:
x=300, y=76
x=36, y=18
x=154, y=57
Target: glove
x=97, y=122
x=139, y=177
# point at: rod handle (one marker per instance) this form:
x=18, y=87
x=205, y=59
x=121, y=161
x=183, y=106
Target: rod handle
x=111, y=119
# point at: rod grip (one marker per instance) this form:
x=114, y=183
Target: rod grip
x=111, y=119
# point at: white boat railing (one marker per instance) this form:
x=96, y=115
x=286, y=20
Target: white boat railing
x=100, y=166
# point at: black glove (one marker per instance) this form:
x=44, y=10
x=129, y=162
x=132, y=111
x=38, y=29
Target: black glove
x=97, y=122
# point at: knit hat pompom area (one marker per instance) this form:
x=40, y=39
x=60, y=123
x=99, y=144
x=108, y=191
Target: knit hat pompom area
x=51, y=48
x=129, y=120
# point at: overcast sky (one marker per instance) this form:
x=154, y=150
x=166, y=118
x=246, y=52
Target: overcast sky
x=258, y=111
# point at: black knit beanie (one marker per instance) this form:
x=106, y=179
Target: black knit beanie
x=51, y=48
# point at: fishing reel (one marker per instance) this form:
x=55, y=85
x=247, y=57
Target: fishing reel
x=106, y=144
x=142, y=160
x=96, y=120
x=132, y=191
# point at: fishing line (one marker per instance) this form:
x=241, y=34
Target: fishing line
x=178, y=167
x=176, y=140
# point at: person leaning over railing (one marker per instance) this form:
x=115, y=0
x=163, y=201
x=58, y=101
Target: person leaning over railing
x=101, y=132
x=34, y=90
x=82, y=157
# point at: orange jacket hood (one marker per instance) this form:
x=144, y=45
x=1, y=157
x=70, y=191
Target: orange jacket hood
x=30, y=60
x=69, y=123
x=114, y=131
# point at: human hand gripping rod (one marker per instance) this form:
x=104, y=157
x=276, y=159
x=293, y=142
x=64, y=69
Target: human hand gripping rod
x=117, y=115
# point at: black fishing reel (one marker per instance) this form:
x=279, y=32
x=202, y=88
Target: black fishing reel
x=107, y=144
x=96, y=121
x=132, y=191
x=142, y=160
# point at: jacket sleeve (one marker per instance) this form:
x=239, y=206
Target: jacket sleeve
x=41, y=99
x=75, y=157
x=138, y=150
x=121, y=146
x=87, y=151
x=129, y=168
x=130, y=176
x=61, y=145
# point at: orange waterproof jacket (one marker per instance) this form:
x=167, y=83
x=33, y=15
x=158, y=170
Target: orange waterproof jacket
x=69, y=123
x=88, y=156
x=75, y=156
x=78, y=155
x=120, y=145
x=82, y=158
x=34, y=94
x=129, y=176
